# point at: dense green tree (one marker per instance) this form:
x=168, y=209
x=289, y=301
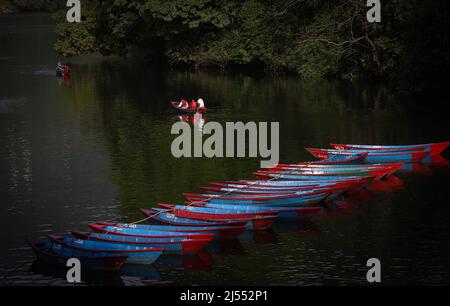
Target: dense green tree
x=314, y=38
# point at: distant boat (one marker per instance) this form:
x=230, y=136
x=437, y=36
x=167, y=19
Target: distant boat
x=63, y=71
x=187, y=110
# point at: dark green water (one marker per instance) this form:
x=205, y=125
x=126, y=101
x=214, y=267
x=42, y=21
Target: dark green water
x=97, y=147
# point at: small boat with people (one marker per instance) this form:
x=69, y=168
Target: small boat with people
x=62, y=70
x=192, y=107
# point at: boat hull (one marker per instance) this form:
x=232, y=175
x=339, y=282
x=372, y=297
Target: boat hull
x=434, y=148
x=375, y=157
x=45, y=253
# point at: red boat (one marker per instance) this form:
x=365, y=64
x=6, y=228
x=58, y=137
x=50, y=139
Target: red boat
x=187, y=110
x=258, y=197
x=109, y=228
x=260, y=220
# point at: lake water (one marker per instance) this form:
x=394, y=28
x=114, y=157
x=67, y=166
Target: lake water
x=97, y=147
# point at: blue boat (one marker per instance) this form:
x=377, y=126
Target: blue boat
x=374, y=156
x=112, y=228
x=217, y=229
x=178, y=246
x=433, y=148
x=46, y=252
x=263, y=200
x=283, y=212
x=286, y=183
x=136, y=254
x=329, y=178
x=340, y=159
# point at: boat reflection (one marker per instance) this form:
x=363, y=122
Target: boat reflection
x=227, y=247
x=437, y=161
x=268, y=236
x=353, y=199
x=87, y=277
x=199, y=262
x=145, y=273
x=390, y=184
x=419, y=168
x=198, y=120
x=302, y=226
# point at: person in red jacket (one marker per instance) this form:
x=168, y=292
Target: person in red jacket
x=183, y=104
x=193, y=105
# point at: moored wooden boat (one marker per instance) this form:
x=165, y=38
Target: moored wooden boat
x=378, y=172
x=374, y=157
x=227, y=229
x=434, y=148
x=339, y=166
x=340, y=159
x=262, y=199
x=283, y=212
x=104, y=227
x=45, y=252
x=261, y=220
x=299, y=177
x=136, y=254
x=178, y=246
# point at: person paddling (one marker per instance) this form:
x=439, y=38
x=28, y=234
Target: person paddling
x=59, y=68
x=200, y=103
x=183, y=104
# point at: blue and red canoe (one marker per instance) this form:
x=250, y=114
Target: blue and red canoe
x=259, y=221
x=113, y=229
x=178, y=246
x=294, y=184
x=136, y=254
x=339, y=159
x=377, y=172
x=322, y=178
x=283, y=212
x=164, y=215
x=433, y=148
x=337, y=189
x=374, y=157
x=96, y=261
x=227, y=230
x=297, y=199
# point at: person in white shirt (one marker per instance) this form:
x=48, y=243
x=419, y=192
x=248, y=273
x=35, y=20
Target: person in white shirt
x=200, y=103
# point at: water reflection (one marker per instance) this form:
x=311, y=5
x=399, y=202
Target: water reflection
x=268, y=236
x=197, y=120
x=87, y=277
x=390, y=184
x=227, y=247
x=199, y=262
x=145, y=273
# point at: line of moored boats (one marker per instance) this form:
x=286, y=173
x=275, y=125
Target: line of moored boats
x=225, y=210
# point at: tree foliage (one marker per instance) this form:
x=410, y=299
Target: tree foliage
x=314, y=38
